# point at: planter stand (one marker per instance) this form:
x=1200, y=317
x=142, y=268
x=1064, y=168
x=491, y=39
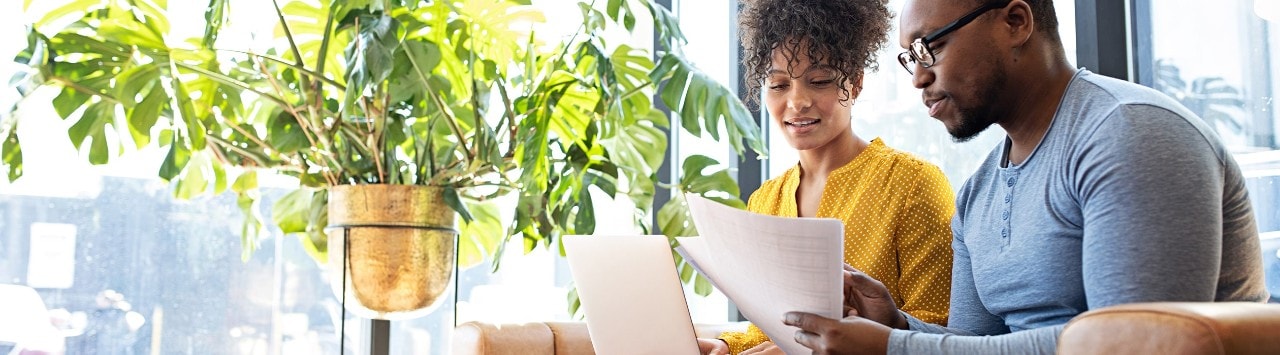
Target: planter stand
x=399, y=253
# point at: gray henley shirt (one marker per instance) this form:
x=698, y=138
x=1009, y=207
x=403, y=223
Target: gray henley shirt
x=1128, y=198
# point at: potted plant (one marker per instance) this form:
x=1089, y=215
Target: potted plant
x=393, y=116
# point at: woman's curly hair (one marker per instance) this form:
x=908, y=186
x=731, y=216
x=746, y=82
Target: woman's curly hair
x=846, y=34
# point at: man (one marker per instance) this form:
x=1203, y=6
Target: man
x=1103, y=193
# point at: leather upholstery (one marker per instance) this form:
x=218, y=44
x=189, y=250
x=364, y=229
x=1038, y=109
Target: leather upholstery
x=571, y=338
x=549, y=338
x=482, y=338
x=1175, y=328
x=1142, y=328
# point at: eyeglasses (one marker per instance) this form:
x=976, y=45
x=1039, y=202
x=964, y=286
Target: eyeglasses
x=919, y=51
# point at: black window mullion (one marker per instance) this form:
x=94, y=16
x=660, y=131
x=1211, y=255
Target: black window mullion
x=749, y=169
x=1102, y=43
x=666, y=173
x=1143, y=54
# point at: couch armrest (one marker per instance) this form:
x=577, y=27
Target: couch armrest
x=474, y=338
x=1175, y=328
x=549, y=338
x=571, y=338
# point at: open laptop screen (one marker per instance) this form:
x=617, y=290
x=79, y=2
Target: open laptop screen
x=631, y=295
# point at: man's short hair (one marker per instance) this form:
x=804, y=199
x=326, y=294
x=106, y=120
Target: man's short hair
x=1045, y=16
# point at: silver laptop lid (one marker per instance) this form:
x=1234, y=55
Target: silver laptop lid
x=631, y=295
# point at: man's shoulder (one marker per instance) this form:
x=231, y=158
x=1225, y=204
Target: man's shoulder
x=1103, y=94
x=1097, y=103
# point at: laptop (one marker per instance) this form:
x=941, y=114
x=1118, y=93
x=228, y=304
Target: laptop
x=631, y=295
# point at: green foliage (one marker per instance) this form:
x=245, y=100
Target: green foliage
x=674, y=218
x=453, y=94
x=11, y=150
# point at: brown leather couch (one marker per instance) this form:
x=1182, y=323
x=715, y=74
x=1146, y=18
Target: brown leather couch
x=549, y=338
x=1144, y=328
x=1175, y=328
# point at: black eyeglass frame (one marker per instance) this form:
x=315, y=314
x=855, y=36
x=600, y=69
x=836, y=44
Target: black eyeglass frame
x=910, y=58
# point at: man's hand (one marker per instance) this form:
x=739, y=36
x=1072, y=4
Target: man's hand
x=765, y=348
x=868, y=298
x=712, y=347
x=852, y=335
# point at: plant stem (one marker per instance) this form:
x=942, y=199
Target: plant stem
x=222, y=159
x=84, y=89
x=371, y=137
x=262, y=161
x=511, y=118
x=353, y=135
x=219, y=77
x=318, y=76
x=444, y=108
x=307, y=127
x=324, y=55
x=298, y=63
x=288, y=34
x=634, y=91
x=391, y=170
x=431, y=156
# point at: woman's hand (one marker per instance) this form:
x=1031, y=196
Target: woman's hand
x=866, y=297
x=712, y=347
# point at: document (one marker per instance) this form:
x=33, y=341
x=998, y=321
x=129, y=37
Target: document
x=768, y=265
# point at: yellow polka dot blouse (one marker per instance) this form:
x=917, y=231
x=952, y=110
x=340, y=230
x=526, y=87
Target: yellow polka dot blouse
x=896, y=211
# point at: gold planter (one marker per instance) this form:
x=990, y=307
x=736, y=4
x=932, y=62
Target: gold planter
x=391, y=249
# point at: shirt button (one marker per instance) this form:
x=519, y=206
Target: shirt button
x=1008, y=198
x=1004, y=233
x=1011, y=181
x=1005, y=216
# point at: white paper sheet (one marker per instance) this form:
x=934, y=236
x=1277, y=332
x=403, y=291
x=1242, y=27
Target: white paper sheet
x=768, y=265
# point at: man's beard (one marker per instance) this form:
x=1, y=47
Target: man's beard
x=975, y=120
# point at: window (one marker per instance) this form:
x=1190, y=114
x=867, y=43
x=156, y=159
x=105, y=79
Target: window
x=174, y=267
x=1224, y=68
x=710, y=42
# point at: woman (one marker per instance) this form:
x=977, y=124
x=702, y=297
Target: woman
x=810, y=57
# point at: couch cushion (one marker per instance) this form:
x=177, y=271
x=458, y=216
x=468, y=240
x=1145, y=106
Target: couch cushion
x=503, y=339
x=549, y=338
x=1175, y=328
x=572, y=338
